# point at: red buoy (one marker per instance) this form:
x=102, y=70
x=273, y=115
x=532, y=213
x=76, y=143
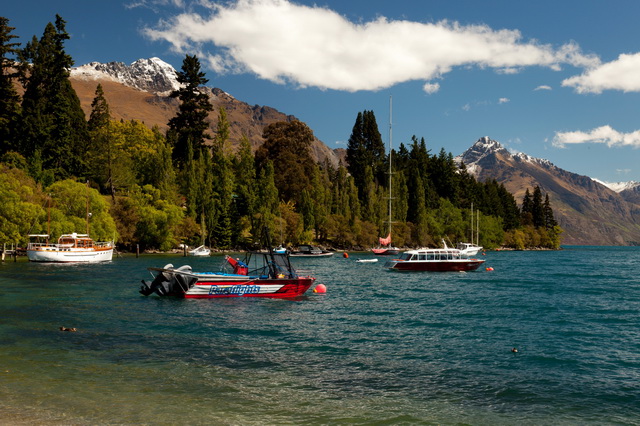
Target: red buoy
x=345, y=255
x=489, y=268
x=320, y=289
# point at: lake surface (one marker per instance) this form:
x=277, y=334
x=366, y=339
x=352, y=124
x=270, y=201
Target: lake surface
x=380, y=347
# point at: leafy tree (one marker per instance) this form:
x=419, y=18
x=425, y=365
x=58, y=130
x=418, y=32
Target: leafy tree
x=145, y=218
x=288, y=145
x=21, y=209
x=9, y=98
x=81, y=209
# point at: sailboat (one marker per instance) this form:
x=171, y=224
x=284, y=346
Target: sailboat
x=471, y=249
x=385, y=248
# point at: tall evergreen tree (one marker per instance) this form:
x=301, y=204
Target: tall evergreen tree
x=102, y=149
x=366, y=149
x=53, y=127
x=9, y=98
x=549, y=221
x=223, y=183
x=526, y=211
x=188, y=129
x=537, y=209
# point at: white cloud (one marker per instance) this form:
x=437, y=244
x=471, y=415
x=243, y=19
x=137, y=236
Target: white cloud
x=503, y=100
x=431, y=88
x=543, y=87
x=621, y=74
x=603, y=134
x=283, y=42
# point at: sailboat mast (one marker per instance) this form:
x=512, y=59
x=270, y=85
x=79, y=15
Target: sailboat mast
x=390, y=143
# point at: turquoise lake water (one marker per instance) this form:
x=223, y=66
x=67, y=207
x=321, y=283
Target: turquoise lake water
x=380, y=347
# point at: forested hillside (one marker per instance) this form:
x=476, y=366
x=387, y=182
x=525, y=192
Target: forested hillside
x=186, y=185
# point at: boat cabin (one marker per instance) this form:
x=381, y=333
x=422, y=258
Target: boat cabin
x=434, y=255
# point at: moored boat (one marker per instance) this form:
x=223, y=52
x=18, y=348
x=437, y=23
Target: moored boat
x=468, y=249
x=434, y=260
x=307, y=250
x=385, y=248
x=200, y=251
x=260, y=274
x=70, y=248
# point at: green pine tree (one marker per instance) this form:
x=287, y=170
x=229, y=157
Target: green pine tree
x=188, y=129
x=9, y=98
x=53, y=130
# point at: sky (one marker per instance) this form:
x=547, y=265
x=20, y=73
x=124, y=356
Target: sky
x=558, y=80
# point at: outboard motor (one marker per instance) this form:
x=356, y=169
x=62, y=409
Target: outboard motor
x=169, y=283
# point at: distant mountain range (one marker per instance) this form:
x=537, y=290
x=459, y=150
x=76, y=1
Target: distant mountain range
x=591, y=212
x=141, y=91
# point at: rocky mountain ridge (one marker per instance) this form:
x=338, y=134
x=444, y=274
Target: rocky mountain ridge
x=590, y=212
x=141, y=91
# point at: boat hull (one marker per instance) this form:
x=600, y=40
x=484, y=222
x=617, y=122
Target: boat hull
x=280, y=288
x=45, y=254
x=386, y=251
x=457, y=265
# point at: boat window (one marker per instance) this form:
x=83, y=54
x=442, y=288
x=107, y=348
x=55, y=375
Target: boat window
x=430, y=257
x=422, y=257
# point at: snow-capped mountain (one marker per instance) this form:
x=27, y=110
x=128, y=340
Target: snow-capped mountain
x=588, y=211
x=150, y=75
x=620, y=186
x=485, y=147
x=140, y=91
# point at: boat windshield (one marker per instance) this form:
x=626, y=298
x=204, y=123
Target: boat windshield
x=406, y=256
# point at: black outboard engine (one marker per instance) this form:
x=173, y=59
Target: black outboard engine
x=168, y=282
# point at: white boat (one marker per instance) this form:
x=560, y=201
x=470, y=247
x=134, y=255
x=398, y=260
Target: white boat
x=70, y=248
x=468, y=249
x=434, y=260
x=200, y=251
x=471, y=249
x=280, y=249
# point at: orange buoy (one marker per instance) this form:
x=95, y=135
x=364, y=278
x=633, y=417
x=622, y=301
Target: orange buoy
x=345, y=255
x=320, y=288
x=489, y=268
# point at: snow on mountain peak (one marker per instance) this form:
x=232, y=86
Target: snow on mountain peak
x=619, y=186
x=485, y=147
x=150, y=75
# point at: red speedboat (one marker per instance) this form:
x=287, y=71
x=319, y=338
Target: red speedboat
x=434, y=260
x=260, y=274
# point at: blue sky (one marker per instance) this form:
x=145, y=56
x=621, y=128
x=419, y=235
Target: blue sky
x=554, y=79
